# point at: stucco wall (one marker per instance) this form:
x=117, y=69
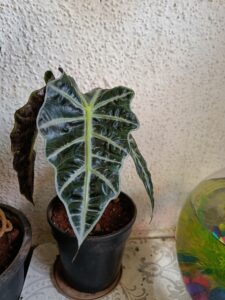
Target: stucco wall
x=172, y=53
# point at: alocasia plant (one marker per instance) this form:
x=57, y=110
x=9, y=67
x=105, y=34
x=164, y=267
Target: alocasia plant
x=87, y=137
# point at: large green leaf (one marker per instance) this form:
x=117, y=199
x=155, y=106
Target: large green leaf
x=86, y=139
x=141, y=168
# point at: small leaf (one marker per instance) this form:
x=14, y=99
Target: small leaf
x=141, y=168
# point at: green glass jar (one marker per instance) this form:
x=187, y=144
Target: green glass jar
x=200, y=239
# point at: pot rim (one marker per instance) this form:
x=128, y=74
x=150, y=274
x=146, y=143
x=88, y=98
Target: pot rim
x=25, y=245
x=95, y=237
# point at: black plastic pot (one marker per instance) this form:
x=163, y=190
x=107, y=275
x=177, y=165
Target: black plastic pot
x=12, y=279
x=98, y=262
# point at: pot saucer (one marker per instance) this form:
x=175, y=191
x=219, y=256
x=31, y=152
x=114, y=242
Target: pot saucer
x=63, y=287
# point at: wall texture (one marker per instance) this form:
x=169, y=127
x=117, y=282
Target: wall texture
x=172, y=53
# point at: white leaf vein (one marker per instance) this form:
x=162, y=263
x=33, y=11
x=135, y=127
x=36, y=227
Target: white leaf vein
x=113, y=118
x=64, y=147
x=105, y=102
x=108, y=140
x=72, y=178
x=104, y=179
x=59, y=121
x=68, y=97
x=105, y=158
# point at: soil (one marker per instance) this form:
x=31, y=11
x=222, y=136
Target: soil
x=10, y=243
x=114, y=218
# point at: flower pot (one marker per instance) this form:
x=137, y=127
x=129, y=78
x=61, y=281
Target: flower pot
x=98, y=263
x=12, y=279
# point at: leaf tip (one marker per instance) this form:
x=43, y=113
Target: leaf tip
x=60, y=69
x=132, y=92
x=48, y=76
x=28, y=194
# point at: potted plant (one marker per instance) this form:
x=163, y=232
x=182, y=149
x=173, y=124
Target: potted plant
x=87, y=137
x=15, y=243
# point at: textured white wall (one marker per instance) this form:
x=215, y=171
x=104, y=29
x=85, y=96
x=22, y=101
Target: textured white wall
x=172, y=53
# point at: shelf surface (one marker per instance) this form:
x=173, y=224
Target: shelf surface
x=150, y=272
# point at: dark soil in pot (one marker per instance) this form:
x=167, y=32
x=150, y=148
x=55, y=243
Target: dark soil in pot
x=14, y=249
x=98, y=262
x=116, y=216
